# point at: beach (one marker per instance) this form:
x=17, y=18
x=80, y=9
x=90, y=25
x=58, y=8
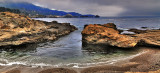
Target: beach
x=146, y=62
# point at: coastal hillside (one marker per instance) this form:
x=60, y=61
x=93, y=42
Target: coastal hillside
x=3, y=9
x=33, y=10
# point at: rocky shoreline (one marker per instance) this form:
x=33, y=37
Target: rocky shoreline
x=16, y=30
x=109, y=36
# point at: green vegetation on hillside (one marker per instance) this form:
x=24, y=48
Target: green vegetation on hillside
x=3, y=9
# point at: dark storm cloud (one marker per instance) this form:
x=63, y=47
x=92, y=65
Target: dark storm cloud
x=103, y=7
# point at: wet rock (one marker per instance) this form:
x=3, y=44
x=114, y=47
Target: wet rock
x=100, y=34
x=144, y=27
x=110, y=25
x=16, y=29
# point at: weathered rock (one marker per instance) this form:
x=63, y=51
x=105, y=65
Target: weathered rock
x=16, y=29
x=107, y=35
x=110, y=25
x=101, y=34
x=149, y=38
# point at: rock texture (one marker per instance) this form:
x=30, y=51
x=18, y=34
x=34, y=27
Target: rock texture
x=108, y=34
x=16, y=29
x=148, y=38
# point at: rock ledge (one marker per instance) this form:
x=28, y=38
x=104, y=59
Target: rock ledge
x=16, y=29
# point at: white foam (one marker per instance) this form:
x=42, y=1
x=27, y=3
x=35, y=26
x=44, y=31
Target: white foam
x=127, y=32
x=12, y=63
x=77, y=65
x=7, y=63
x=123, y=29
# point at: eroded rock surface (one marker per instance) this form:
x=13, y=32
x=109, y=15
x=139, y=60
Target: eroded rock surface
x=108, y=34
x=16, y=29
x=149, y=38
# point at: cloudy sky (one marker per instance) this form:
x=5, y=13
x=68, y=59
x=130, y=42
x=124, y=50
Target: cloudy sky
x=102, y=7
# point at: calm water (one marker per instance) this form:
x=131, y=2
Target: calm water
x=68, y=51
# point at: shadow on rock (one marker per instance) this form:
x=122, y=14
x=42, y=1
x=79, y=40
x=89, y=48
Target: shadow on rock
x=22, y=48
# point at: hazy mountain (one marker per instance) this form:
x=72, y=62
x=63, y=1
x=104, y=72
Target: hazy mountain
x=33, y=9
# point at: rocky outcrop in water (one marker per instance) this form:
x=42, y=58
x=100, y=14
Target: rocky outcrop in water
x=108, y=34
x=16, y=29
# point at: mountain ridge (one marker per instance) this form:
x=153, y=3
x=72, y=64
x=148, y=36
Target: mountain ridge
x=31, y=9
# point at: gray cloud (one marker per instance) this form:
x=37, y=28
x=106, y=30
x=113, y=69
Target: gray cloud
x=103, y=7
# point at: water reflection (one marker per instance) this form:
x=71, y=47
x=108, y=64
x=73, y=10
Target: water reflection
x=105, y=49
x=98, y=48
x=66, y=47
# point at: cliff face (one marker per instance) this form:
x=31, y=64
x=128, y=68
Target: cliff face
x=108, y=34
x=16, y=29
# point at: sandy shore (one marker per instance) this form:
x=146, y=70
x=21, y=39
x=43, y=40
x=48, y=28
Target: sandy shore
x=148, y=62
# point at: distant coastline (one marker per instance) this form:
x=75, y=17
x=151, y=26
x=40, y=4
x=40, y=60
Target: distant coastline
x=3, y=9
x=65, y=16
x=33, y=11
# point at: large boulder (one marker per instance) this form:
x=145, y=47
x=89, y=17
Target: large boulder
x=108, y=35
x=17, y=29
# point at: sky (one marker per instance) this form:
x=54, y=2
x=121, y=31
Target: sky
x=102, y=7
